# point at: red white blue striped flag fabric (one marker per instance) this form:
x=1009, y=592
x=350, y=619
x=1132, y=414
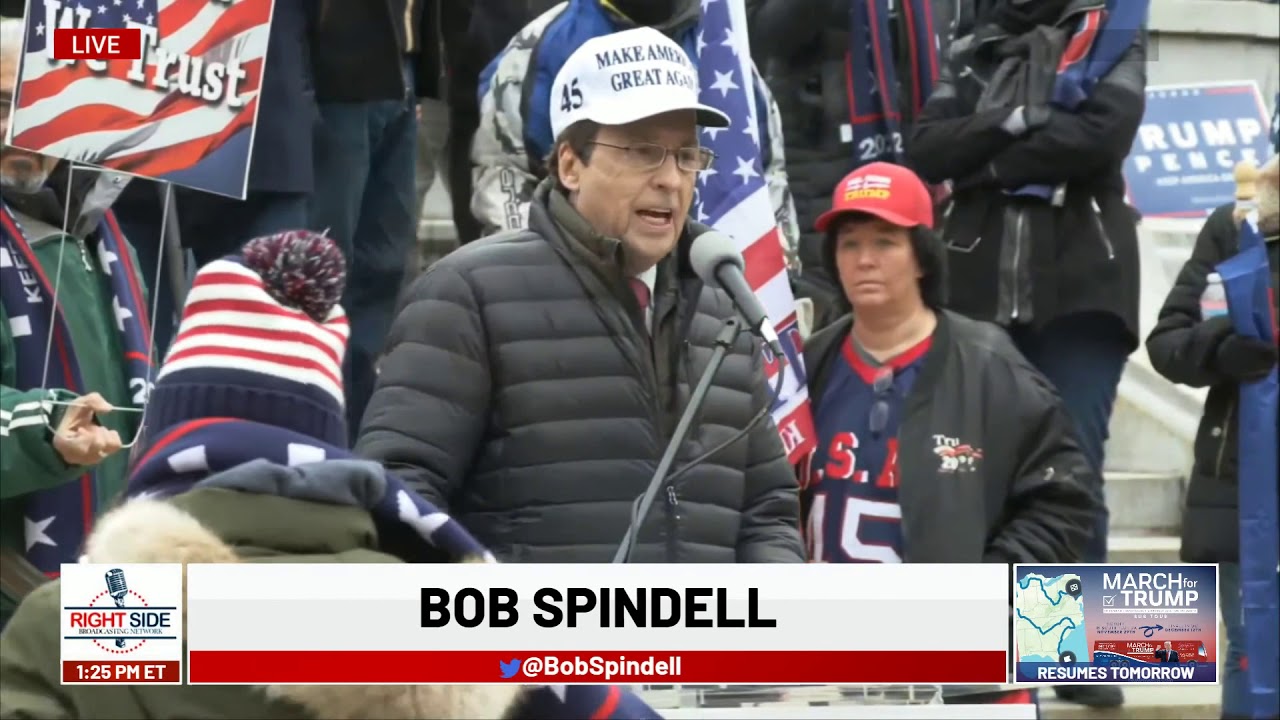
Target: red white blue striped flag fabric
x=180, y=124
x=732, y=197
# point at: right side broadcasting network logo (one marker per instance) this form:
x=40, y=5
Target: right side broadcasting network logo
x=1079, y=624
x=119, y=620
x=121, y=623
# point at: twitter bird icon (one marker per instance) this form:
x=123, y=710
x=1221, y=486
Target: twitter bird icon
x=509, y=668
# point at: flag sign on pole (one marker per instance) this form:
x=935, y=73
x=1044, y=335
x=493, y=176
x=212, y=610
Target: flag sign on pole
x=179, y=108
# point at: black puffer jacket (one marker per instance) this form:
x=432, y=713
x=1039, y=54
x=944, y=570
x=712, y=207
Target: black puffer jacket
x=1186, y=350
x=516, y=394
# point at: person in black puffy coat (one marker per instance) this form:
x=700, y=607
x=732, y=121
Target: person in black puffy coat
x=1197, y=352
x=533, y=379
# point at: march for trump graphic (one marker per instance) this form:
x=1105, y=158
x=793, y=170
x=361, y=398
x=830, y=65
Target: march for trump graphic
x=182, y=112
x=1078, y=624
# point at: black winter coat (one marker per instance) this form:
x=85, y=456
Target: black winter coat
x=358, y=54
x=1184, y=350
x=515, y=392
x=1027, y=260
x=1025, y=497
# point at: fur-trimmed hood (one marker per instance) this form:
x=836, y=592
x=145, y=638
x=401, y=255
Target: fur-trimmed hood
x=150, y=531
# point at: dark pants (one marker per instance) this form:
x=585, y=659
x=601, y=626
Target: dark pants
x=1083, y=356
x=210, y=226
x=365, y=155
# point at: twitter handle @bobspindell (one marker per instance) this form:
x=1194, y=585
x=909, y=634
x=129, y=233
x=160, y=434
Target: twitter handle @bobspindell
x=568, y=666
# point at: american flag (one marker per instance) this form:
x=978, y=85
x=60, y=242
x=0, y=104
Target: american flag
x=732, y=197
x=104, y=118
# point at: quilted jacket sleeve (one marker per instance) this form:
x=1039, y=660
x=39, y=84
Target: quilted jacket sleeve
x=427, y=415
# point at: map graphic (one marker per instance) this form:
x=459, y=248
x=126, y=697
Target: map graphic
x=1049, y=619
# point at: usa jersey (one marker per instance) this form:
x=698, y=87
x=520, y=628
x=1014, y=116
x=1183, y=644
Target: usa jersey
x=852, y=490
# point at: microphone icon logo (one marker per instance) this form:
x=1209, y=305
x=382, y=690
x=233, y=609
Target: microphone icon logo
x=117, y=588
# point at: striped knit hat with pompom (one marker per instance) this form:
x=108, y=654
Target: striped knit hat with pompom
x=262, y=338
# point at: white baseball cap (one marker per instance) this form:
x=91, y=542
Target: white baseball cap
x=626, y=76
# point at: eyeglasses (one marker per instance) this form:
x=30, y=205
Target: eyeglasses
x=880, y=408
x=47, y=405
x=648, y=156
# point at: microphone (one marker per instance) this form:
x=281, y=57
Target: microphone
x=117, y=589
x=717, y=261
x=116, y=586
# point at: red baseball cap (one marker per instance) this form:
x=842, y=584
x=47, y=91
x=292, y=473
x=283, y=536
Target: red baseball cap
x=890, y=192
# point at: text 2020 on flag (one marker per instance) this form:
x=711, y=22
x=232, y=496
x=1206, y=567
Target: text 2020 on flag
x=182, y=113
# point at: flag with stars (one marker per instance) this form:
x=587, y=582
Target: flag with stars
x=184, y=113
x=733, y=197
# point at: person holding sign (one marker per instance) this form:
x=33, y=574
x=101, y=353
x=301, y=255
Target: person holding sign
x=533, y=379
x=74, y=355
x=1195, y=344
x=516, y=136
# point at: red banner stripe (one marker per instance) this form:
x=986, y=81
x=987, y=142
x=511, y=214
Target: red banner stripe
x=703, y=667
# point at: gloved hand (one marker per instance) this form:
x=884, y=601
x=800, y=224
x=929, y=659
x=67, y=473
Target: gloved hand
x=1244, y=358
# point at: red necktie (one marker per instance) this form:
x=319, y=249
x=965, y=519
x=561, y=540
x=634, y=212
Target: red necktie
x=642, y=299
x=642, y=292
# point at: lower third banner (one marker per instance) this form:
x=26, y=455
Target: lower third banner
x=1115, y=624
x=588, y=624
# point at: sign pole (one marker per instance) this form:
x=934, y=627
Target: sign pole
x=171, y=247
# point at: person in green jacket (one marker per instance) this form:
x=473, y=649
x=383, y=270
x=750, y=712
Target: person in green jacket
x=74, y=352
x=242, y=460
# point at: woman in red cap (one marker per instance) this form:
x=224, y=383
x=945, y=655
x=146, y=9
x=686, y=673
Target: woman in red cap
x=937, y=441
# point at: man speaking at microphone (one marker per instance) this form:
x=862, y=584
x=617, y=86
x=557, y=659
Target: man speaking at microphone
x=532, y=380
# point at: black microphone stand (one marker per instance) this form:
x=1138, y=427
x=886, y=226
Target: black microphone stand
x=724, y=342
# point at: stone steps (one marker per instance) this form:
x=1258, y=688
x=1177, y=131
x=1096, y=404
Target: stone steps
x=1138, y=548
x=1146, y=516
x=1145, y=501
